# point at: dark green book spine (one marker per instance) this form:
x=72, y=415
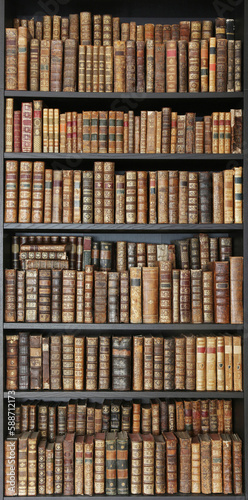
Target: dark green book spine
x=111, y=476
x=122, y=464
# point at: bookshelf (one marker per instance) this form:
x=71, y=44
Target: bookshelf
x=141, y=11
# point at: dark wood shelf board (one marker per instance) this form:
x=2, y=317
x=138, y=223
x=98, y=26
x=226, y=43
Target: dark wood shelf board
x=119, y=156
x=126, y=228
x=124, y=95
x=161, y=327
x=125, y=394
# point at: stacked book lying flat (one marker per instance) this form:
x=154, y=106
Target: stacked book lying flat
x=61, y=54
x=34, y=129
x=140, y=363
x=35, y=194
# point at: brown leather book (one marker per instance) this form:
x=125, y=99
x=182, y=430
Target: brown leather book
x=227, y=463
x=12, y=343
x=205, y=197
x=180, y=363
x=121, y=363
x=207, y=297
x=228, y=197
x=173, y=197
x=158, y=357
x=195, y=465
x=68, y=296
x=190, y=364
x=10, y=295
x=218, y=197
x=104, y=364
x=11, y=54
x=221, y=65
x=200, y=363
x=131, y=200
x=45, y=64
x=35, y=350
x=9, y=127
x=68, y=362
x=171, y=66
x=100, y=298
x=237, y=364
x=55, y=363
x=185, y=287
x=25, y=192
x=98, y=193
x=160, y=486
x=91, y=363
x=150, y=294
x=142, y=202
x=148, y=464
x=236, y=290
x=194, y=66
x=44, y=300
x=185, y=461
x=181, y=134
x=196, y=296
x=22, y=488
x=113, y=297
x=11, y=191
x=228, y=349
x=165, y=292
x=221, y=292
x=176, y=295
x=138, y=354
x=99, y=464
x=124, y=297
x=206, y=479
x=119, y=66
x=169, y=365
x=31, y=295
x=68, y=450
x=136, y=464
x=22, y=57
x=163, y=197
x=237, y=464
x=79, y=347
x=79, y=465
x=109, y=169
x=216, y=460
x=135, y=295
x=171, y=462
x=45, y=363
x=70, y=63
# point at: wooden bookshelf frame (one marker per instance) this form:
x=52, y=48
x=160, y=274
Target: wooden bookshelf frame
x=141, y=11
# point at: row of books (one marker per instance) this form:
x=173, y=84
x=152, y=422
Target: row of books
x=127, y=66
x=37, y=194
x=34, y=129
x=86, y=417
x=105, y=29
x=76, y=252
x=119, y=464
x=148, y=295
x=136, y=363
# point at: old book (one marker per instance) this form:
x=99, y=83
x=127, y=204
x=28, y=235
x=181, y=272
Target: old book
x=185, y=462
x=205, y=188
x=121, y=363
x=181, y=134
x=109, y=169
x=148, y=363
x=173, y=197
x=221, y=292
x=11, y=55
x=169, y=365
x=11, y=191
x=237, y=464
x=68, y=362
x=207, y=297
x=212, y=64
x=138, y=354
x=237, y=364
x=236, y=289
x=68, y=296
x=142, y=201
x=111, y=463
x=70, y=62
x=136, y=464
x=216, y=462
x=113, y=297
x=31, y=295
x=140, y=65
x=190, y=362
x=196, y=296
x=206, y=480
x=99, y=464
x=11, y=466
x=35, y=350
x=171, y=462
x=91, y=363
x=237, y=65
x=200, y=363
x=135, y=295
x=163, y=197
x=55, y=362
x=228, y=197
x=183, y=197
x=122, y=463
x=228, y=350
x=25, y=191
x=79, y=465
x=119, y=66
x=44, y=299
x=185, y=313
x=148, y=464
x=158, y=357
x=218, y=197
x=171, y=66
x=195, y=465
x=238, y=197
x=227, y=463
x=150, y=294
x=150, y=65
x=182, y=66
x=194, y=253
x=194, y=66
x=79, y=349
x=211, y=363
x=180, y=363
x=165, y=292
x=68, y=452
x=12, y=342
x=176, y=295
x=100, y=299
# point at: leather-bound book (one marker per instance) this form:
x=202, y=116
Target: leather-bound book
x=31, y=295
x=228, y=349
x=124, y=297
x=100, y=297
x=182, y=66
x=115, y=415
x=207, y=297
x=22, y=488
x=150, y=65
x=67, y=197
x=205, y=192
x=213, y=416
x=194, y=66
x=158, y=357
x=196, y=296
x=86, y=131
x=105, y=256
x=171, y=462
x=213, y=248
x=204, y=55
x=70, y=63
x=236, y=290
x=121, y=363
x=221, y=292
x=173, y=197
x=135, y=295
x=15, y=248
x=227, y=463
x=122, y=463
x=185, y=313
x=151, y=249
x=44, y=304
x=169, y=364
x=150, y=295
x=207, y=134
x=215, y=132
x=171, y=66
x=220, y=363
x=222, y=132
x=57, y=196
x=87, y=197
x=163, y=197
x=205, y=418
x=17, y=132
x=190, y=365
x=25, y=191
x=42, y=467
x=23, y=361
x=228, y=197
x=79, y=347
x=138, y=367
x=99, y=464
x=11, y=54
x=183, y=197
x=192, y=198
x=119, y=66
x=230, y=65
x=113, y=298
x=48, y=200
x=12, y=343
x=68, y=296
x=136, y=464
x=176, y=295
x=86, y=252
x=45, y=363
x=131, y=201
x=194, y=253
x=160, y=486
x=120, y=197
x=35, y=350
x=159, y=67
x=180, y=363
x=142, y=202
x=126, y=412
x=237, y=364
x=33, y=441
x=184, y=440
x=109, y=169
x=211, y=363
x=98, y=193
x=140, y=65
x=195, y=465
x=165, y=292
x=68, y=452
x=196, y=417
x=111, y=463
x=200, y=363
x=56, y=65
x=221, y=65
x=148, y=464
x=146, y=418
x=50, y=469
x=104, y=363
x=80, y=297
x=79, y=465
x=81, y=411
x=212, y=64
x=181, y=134
x=22, y=57
x=237, y=65
x=121, y=256
x=11, y=191
x=111, y=132
x=237, y=464
x=82, y=68
x=55, y=363
x=56, y=304
x=206, y=479
x=218, y=197
x=91, y=363
x=173, y=138
x=238, y=197
x=10, y=295
x=130, y=66
x=38, y=192
x=95, y=255
x=148, y=363
x=236, y=131
x=216, y=462
x=68, y=362
x=204, y=251
x=45, y=65
x=152, y=197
